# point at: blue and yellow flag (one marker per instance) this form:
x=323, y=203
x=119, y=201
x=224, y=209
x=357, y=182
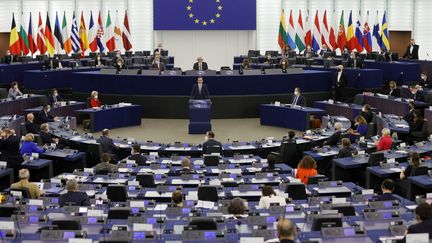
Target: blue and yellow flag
x=385, y=44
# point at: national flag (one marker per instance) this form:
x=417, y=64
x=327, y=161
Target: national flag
x=126, y=36
x=110, y=41
x=100, y=34
x=23, y=38
x=40, y=40
x=92, y=34
x=58, y=40
x=376, y=36
x=325, y=31
x=283, y=38
x=74, y=35
x=32, y=44
x=67, y=42
x=84, y=44
x=300, y=35
x=316, y=39
x=342, y=39
x=359, y=35
x=367, y=37
x=14, y=43
x=308, y=35
x=384, y=34
x=291, y=32
x=49, y=39
x=118, y=34
x=332, y=35
x=350, y=35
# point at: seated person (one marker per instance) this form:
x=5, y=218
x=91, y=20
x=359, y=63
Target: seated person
x=324, y=50
x=200, y=65
x=269, y=60
x=177, y=198
x=367, y=113
x=284, y=64
x=361, y=129
x=423, y=214
x=157, y=63
x=73, y=197
x=286, y=50
x=417, y=94
x=414, y=163
x=271, y=161
x=306, y=168
x=410, y=116
x=418, y=121
x=269, y=196
x=29, y=147
x=385, y=141
x=297, y=99
x=24, y=176
x=355, y=61
x=286, y=231
x=119, y=65
x=31, y=127
x=290, y=138
x=186, y=167
x=334, y=139
x=210, y=143
x=424, y=81
x=387, y=188
x=14, y=91
x=393, y=90
x=94, y=100
x=98, y=61
x=346, y=150
x=309, y=52
x=54, y=97
x=237, y=208
x=246, y=64
x=8, y=58
x=44, y=115
x=104, y=166
x=137, y=156
x=46, y=136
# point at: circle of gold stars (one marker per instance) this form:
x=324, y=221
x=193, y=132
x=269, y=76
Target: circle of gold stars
x=204, y=22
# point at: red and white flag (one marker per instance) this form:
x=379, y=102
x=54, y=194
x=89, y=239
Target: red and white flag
x=126, y=36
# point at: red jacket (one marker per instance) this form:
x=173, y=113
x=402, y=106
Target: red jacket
x=385, y=143
x=94, y=103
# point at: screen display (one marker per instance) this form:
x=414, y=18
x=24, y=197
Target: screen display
x=349, y=232
x=271, y=220
x=33, y=208
x=54, y=200
x=254, y=187
x=333, y=183
x=91, y=220
x=388, y=204
x=135, y=210
x=158, y=177
x=33, y=219
x=387, y=215
x=290, y=209
x=209, y=235
x=131, y=188
x=186, y=210
x=139, y=236
x=68, y=234
x=151, y=220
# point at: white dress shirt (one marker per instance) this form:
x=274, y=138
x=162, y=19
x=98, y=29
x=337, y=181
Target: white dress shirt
x=265, y=201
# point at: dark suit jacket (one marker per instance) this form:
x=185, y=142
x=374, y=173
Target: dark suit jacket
x=204, y=66
x=301, y=101
x=74, y=198
x=419, y=96
x=161, y=66
x=46, y=137
x=196, y=95
x=10, y=151
x=333, y=139
x=139, y=159
x=409, y=117
x=210, y=143
x=342, y=82
x=8, y=59
x=346, y=152
x=119, y=68
x=413, y=54
x=394, y=93
x=32, y=127
x=357, y=64
x=322, y=52
x=55, y=64
x=160, y=51
x=367, y=116
x=44, y=117
x=423, y=227
x=52, y=100
x=107, y=144
x=385, y=197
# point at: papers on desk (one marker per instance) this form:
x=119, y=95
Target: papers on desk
x=185, y=182
x=401, y=125
x=110, y=181
x=205, y=204
x=90, y=193
x=398, y=170
x=178, y=149
x=145, y=147
x=161, y=207
x=401, y=152
x=230, y=171
x=242, y=161
x=155, y=194
x=122, y=145
x=157, y=172
x=124, y=170
x=90, y=141
x=328, y=153
x=171, y=162
x=123, y=104
x=271, y=145
x=241, y=147
x=77, y=138
x=253, y=169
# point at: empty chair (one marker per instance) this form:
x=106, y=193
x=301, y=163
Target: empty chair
x=117, y=193
x=346, y=210
x=67, y=224
x=208, y=193
x=119, y=213
x=296, y=191
x=211, y=160
x=313, y=180
x=146, y=180
x=421, y=170
x=7, y=211
x=214, y=149
x=376, y=158
x=326, y=220
x=204, y=223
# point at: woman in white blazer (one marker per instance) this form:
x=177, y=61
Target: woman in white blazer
x=269, y=196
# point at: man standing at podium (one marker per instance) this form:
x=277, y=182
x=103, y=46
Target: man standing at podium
x=200, y=90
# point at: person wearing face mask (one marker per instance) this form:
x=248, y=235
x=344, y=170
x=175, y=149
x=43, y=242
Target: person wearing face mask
x=424, y=82
x=297, y=99
x=210, y=143
x=94, y=100
x=120, y=65
x=366, y=113
x=98, y=61
x=393, y=90
x=200, y=65
x=340, y=84
x=44, y=116
x=410, y=116
x=309, y=53
x=283, y=64
x=54, y=97
x=14, y=91
x=417, y=95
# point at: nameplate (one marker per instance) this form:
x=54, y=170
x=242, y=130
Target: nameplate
x=252, y=240
x=418, y=238
x=88, y=170
x=142, y=227
x=94, y=213
x=368, y=192
x=137, y=204
x=36, y=202
x=75, y=240
x=6, y=225
x=338, y=200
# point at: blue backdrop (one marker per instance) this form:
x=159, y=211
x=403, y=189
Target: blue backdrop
x=204, y=14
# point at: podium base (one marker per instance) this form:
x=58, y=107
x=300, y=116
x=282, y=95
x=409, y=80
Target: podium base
x=199, y=127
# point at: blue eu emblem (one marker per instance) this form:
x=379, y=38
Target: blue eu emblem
x=212, y=13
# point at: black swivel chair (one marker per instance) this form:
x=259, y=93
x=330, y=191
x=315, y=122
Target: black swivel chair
x=7, y=211
x=211, y=160
x=117, y=193
x=214, y=149
x=203, y=223
x=146, y=180
x=67, y=224
x=288, y=154
x=208, y=193
x=346, y=210
x=313, y=180
x=119, y=213
x=296, y=191
x=421, y=170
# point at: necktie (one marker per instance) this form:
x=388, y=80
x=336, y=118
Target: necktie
x=200, y=67
x=295, y=101
x=55, y=99
x=199, y=88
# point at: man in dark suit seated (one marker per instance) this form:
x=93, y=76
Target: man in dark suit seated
x=324, y=50
x=73, y=197
x=423, y=214
x=393, y=92
x=120, y=65
x=105, y=166
x=54, y=97
x=200, y=90
x=290, y=138
x=31, y=127
x=417, y=94
x=424, y=81
x=45, y=136
x=412, y=51
x=159, y=49
x=186, y=167
x=106, y=142
x=355, y=61
x=8, y=58
x=366, y=113
x=334, y=139
x=271, y=164
x=286, y=231
x=410, y=116
x=157, y=63
x=210, y=142
x=297, y=99
x=387, y=188
x=200, y=65
x=44, y=116
x=340, y=84
x=136, y=155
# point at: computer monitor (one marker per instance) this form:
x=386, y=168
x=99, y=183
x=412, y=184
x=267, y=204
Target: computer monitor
x=326, y=220
x=376, y=158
